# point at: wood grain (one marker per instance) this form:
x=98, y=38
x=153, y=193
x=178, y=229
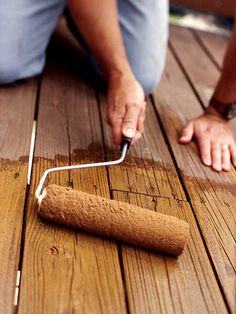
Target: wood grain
x=64, y=271
x=148, y=168
x=214, y=45
x=161, y=284
x=212, y=195
x=17, y=105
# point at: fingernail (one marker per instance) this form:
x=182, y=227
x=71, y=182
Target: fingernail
x=207, y=162
x=129, y=132
x=226, y=167
x=217, y=168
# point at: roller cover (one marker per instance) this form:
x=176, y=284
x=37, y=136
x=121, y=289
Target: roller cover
x=114, y=219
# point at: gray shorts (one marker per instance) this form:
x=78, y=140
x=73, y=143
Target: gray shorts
x=27, y=25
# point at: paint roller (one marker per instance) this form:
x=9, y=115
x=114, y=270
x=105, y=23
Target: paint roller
x=111, y=218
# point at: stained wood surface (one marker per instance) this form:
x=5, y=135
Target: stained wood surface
x=157, y=284
x=17, y=104
x=162, y=284
x=64, y=271
x=212, y=195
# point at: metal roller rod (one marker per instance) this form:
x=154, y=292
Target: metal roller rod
x=92, y=165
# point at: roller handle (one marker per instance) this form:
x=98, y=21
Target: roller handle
x=125, y=140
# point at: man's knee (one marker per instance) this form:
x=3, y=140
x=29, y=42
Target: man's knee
x=9, y=71
x=25, y=30
x=13, y=69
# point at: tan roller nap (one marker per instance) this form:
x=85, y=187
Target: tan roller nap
x=114, y=219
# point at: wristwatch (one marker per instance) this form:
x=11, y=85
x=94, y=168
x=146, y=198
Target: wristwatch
x=227, y=111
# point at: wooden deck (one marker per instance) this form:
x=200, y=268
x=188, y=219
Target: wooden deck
x=45, y=268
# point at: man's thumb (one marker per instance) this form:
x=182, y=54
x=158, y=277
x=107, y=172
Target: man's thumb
x=187, y=133
x=130, y=121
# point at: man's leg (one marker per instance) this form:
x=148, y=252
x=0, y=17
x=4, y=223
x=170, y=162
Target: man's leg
x=144, y=26
x=25, y=30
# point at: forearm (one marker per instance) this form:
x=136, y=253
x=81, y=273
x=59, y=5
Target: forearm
x=226, y=87
x=97, y=21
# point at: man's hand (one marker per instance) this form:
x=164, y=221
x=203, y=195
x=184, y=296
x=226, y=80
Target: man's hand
x=126, y=107
x=215, y=140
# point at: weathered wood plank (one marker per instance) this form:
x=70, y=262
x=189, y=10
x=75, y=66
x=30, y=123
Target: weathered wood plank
x=214, y=45
x=17, y=105
x=202, y=73
x=65, y=271
x=148, y=167
x=162, y=284
x=102, y=281
x=211, y=194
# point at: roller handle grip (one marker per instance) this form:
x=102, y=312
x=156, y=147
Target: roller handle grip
x=125, y=140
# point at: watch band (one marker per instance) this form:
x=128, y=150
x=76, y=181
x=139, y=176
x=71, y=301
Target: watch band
x=227, y=111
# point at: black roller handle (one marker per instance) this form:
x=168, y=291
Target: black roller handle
x=125, y=140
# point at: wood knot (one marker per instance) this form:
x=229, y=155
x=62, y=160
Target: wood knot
x=151, y=189
x=202, y=201
x=174, y=196
x=54, y=250
x=179, y=202
x=16, y=175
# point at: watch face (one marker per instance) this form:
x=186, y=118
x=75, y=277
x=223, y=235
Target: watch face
x=231, y=112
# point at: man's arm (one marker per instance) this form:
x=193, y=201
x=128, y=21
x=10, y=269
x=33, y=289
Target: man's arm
x=212, y=132
x=225, y=90
x=97, y=21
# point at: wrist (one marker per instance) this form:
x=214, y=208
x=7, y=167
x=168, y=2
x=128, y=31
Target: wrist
x=213, y=113
x=118, y=72
x=226, y=111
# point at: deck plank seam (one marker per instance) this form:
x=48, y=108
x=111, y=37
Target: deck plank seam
x=26, y=200
x=151, y=195
x=188, y=78
x=206, y=50
x=70, y=183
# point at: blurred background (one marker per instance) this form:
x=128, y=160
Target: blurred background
x=216, y=16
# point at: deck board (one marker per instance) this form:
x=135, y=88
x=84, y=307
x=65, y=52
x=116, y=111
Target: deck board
x=17, y=105
x=212, y=195
x=214, y=45
x=65, y=271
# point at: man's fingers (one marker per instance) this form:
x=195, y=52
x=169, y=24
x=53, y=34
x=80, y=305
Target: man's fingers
x=225, y=158
x=216, y=156
x=232, y=149
x=137, y=136
x=130, y=120
x=187, y=133
x=140, y=126
x=205, y=150
x=116, y=130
